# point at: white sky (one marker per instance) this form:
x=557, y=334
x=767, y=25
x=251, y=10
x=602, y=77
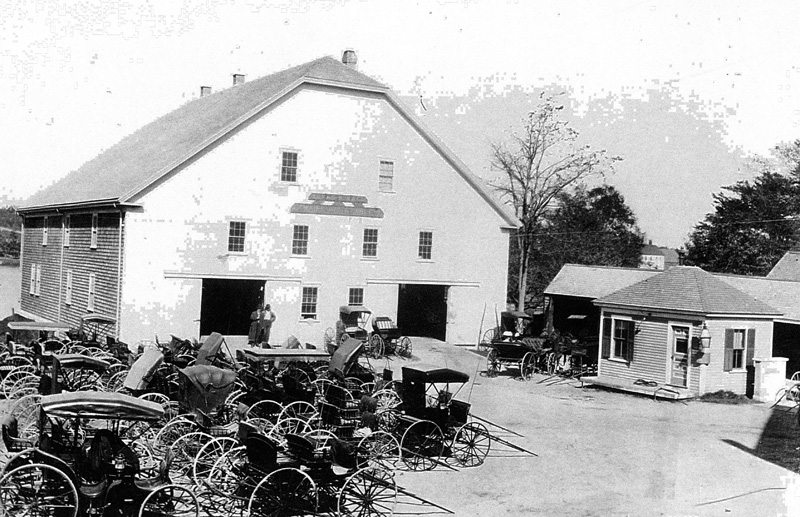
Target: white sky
x=75, y=79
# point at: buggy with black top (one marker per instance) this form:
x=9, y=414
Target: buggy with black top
x=387, y=338
x=514, y=345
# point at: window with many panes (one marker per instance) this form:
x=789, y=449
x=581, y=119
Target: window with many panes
x=93, y=240
x=623, y=338
x=355, y=297
x=739, y=348
x=386, y=176
x=236, y=232
x=289, y=166
x=308, y=304
x=68, y=290
x=425, y=250
x=370, y=245
x=90, y=301
x=45, y=230
x=300, y=240
x=67, y=224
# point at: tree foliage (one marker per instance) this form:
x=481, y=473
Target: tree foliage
x=592, y=227
x=10, y=227
x=536, y=165
x=752, y=226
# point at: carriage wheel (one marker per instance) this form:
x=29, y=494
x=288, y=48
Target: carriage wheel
x=137, y=431
x=38, y=489
x=375, y=346
x=471, y=444
x=147, y=462
x=299, y=409
x=526, y=366
x=421, y=445
x=26, y=410
x=387, y=399
x=173, y=430
x=403, y=348
x=486, y=341
x=184, y=452
x=288, y=425
x=551, y=360
x=492, y=363
x=158, y=398
x=116, y=381
x=25, y=386
x=322, y=386
x=344, y=338
x=388, y=420
x=287, y=491
x=171, y=501
x=266, y=409
x=227, y=474
x=14, y=376
x=370, y=491
x=208, y=455
x=378, y=449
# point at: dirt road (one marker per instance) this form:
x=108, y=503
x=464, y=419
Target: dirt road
x=605, y=454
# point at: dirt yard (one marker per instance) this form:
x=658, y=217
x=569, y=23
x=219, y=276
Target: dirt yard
x=602, y=453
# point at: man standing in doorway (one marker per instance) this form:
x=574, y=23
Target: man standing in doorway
x=265, y=321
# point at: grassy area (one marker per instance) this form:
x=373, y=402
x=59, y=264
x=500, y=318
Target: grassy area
x=725, y=397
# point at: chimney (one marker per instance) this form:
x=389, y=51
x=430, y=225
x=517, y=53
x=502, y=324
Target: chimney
x=238, y=79
x=205, y=90
x=350, y=59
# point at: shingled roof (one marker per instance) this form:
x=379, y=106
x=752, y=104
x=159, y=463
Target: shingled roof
x=123, y=172
x=595, y=281
x=687, y=289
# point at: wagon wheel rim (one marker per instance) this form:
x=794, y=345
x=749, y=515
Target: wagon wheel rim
x=526, y=366
x=171, y=501
x=387, y=399
x=38, y=489
x=376, y=346
x=286, y=491
x=228, y=472
x=173, y=430
x=486, y=340
x=492, y=363
x=208, y=455
x=388, y=420
x=471, y=444
x=185, y=450
x=404, y=346
x=266, y=409
x=422, y=445
x=370, y=491
x=378, y=449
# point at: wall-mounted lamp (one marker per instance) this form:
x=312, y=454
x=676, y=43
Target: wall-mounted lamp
x=705, y=338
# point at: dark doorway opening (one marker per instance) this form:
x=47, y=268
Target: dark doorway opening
x=226, y=305
x=422, y=310
x=785, y=340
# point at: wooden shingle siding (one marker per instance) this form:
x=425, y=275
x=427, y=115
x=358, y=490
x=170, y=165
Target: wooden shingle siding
x=80, y=259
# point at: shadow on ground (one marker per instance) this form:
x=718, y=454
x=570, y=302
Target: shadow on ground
x=780, y=440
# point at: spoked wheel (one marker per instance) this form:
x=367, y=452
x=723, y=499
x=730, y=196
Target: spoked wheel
x=374, y=346
x=170, y=433
x=370, y=491
x=170, y=501
x=286, y=491
x=37, y=489
x=387, y=399
x=228, y=473
x=184, y=452
x=492, y=363
x=421, y=445
x=388, y=420
x=115, y=382
x=526, y=366
x=266, y=409
x=403, y=347
x=289, y=425
x=77, y=379
x=378, y=449
x=471, y=444
x=208, y=455
x=486, y=341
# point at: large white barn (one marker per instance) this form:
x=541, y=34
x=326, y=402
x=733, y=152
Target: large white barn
x=310, y=188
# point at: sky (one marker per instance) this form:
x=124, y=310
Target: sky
x=685, y=92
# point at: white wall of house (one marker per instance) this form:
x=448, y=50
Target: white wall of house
x=181, y=234
x=735, y=380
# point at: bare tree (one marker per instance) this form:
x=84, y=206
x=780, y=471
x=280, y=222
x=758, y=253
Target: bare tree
x=537, y=164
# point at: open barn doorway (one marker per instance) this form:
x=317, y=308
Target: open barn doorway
x=226, y=305
x=422, y=310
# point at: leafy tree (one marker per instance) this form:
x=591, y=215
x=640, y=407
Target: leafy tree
x=592, y=227
x=752, y=226
x=536, y=165
x=10, y=227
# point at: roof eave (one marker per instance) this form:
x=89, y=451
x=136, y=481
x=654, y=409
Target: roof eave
x=77, y=205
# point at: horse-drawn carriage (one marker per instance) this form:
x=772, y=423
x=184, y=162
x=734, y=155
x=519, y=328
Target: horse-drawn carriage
x=514, y=344
x=387, y=338
x=86, y=468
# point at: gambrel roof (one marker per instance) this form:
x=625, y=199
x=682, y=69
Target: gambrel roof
x=121, y=174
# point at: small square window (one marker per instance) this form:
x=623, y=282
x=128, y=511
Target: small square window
x=370, y=245
x=93, y=241
x=300, y=240
x=236, y=233
x=289, y=166
x=308, y=305
x=386, y=176
x=425, y=251
x=355, y=297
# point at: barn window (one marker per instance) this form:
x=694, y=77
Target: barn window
x=300, y=240
x=93, y=241
x=91, y=300
x=370, y=245
x=308, y=305
x=355, y=297
x=386, y=176
x=236, y=233
x=425, y=249
x=289, y=166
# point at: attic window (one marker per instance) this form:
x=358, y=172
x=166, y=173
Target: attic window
x=236, y=234
x=289, y=167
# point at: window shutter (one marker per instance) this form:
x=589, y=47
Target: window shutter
x=606, y=348
x=751, y=346
x=631, y=340
x=728, y=364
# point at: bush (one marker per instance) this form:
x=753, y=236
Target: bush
x=725, y=397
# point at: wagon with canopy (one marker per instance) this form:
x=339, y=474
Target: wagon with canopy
x=91, y=472
x=515, y=346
